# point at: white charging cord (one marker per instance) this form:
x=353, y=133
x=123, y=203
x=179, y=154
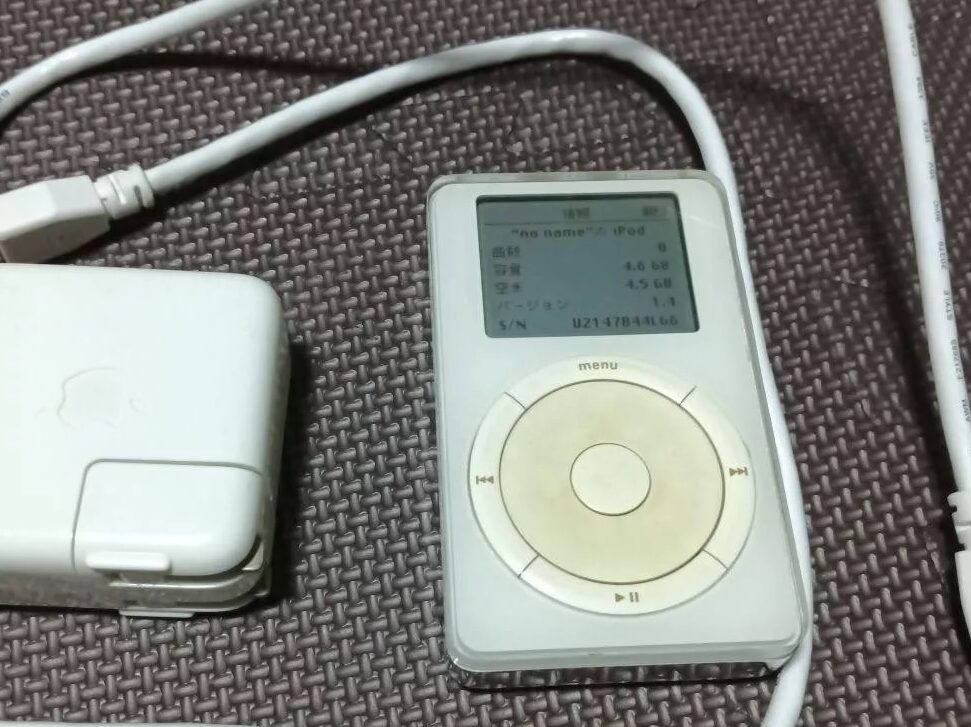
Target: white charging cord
x=44, y=221
x=104, y=48
x=927, y=218
x=51, y=218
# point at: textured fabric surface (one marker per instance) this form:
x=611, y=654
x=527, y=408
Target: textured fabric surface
x=334, y=220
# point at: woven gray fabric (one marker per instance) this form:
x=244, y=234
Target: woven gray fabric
x=334, y=220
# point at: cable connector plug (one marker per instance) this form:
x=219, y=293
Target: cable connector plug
x=961, y=502
x=48, y=219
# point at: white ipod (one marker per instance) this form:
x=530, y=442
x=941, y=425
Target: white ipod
x=611, y=501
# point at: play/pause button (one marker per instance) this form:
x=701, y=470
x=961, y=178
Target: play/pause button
x=633, y=597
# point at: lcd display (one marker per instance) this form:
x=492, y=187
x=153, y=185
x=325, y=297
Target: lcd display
x=591, y=265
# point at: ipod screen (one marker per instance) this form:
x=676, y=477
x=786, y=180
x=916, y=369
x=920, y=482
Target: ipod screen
x=590, y=265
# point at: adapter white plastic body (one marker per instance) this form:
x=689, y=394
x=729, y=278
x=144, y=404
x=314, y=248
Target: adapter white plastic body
x=141, y=418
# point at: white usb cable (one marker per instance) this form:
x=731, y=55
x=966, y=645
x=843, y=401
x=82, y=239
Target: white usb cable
x=104, y=48
x=927, y=218
x=47, y=219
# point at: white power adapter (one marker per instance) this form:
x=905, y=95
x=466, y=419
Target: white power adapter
x=141, y=419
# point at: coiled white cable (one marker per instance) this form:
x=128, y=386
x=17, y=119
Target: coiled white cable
x=124, y=192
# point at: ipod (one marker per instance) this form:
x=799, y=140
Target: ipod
x=610, y=493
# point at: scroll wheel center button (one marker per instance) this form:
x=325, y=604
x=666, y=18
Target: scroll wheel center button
x=610, y=479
